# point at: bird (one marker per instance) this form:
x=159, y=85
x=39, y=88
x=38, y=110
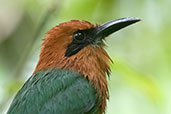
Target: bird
x=72, y=70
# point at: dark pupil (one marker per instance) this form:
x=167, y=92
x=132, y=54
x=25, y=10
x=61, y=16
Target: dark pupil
x=79, y=36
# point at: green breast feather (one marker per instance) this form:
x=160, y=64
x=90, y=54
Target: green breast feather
x=55, y=92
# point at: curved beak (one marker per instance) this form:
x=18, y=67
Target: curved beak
x=113, y=26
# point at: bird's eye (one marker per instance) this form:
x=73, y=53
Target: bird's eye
x=79, y=36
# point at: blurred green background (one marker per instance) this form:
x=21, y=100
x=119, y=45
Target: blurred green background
x=141, y=74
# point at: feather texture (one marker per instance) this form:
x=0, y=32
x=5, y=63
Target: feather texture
x=56, y=91
x=91, y=61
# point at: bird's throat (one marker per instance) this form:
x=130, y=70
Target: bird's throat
x=92, y=62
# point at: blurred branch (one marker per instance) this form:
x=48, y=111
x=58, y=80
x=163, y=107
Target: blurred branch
x=40, y=27
x=19, y=68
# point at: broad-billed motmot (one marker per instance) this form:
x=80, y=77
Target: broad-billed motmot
x=70, y=77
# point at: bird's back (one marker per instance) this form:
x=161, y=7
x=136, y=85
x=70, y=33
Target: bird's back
x=55, y=91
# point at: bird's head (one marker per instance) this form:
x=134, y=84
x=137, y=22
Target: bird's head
x=78, y=46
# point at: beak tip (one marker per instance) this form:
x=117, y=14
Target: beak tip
x=137, y=19
x=133, y=19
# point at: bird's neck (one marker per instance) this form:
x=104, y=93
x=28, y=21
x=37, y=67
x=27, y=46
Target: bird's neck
x=92, y=62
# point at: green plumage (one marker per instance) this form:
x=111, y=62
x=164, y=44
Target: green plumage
x=55, y=92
